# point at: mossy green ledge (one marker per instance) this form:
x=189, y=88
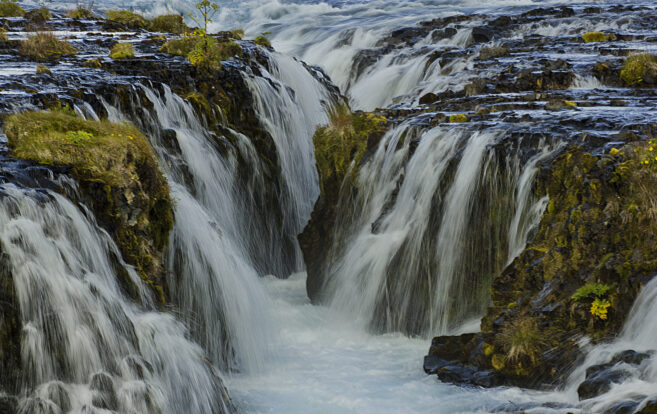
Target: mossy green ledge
x=338, y=146
x=595, y=248
x=119, y=179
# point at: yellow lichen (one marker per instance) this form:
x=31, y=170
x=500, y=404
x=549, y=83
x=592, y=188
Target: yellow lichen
x=594, y=37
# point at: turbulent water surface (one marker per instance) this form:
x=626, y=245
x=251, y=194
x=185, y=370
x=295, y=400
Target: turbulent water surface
x=285, y=355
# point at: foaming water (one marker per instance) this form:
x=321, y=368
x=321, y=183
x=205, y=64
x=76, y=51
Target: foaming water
x=328, y=364
x=84, y=344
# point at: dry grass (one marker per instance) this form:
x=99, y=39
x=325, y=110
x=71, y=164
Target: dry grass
x=44, y=46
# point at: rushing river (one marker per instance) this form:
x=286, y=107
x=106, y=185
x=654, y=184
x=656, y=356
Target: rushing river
x=292, y=356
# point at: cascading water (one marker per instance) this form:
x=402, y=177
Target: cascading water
x=216, y=248
x=84, y=344
x=410, y=259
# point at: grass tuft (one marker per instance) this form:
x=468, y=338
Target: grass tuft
x=636, y=67
x=81, y=13
x=44, y=46
x=589, y=37
x=122, y=51
x=169, y=23
x=127, y=18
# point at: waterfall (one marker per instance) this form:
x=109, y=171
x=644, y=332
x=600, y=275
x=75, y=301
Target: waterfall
x=84, y=344
x=221, y=244
x=438, y=213
x=638, y=334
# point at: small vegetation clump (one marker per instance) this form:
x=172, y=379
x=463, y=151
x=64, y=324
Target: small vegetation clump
x=127, y=18
x=43, y=70
x=591, y=291
x=169, y=23
x=458, y=118
x=202, y=51
x=262, y=41
x=3, y=35
x=122, y=51
x=40, y=15
x=11, y=9
x=206, y=9
x=523, y=341
x=594, y=37
x=44, y=46
x=343, y=141
x=238, y=34
x=81, y=13
x=636, y=67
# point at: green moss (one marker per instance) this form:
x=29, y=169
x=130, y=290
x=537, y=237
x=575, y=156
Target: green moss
x=93, y=63
x=81, y=13
x=203, y=51
x=458, y=118
x=39, y=15
x=127, y=18
x=122, y=51
x=238, y=34
x=262, y=41
x=43, y=70
x=11, y=9
x=43, y=46
x=344, y=141
x=45, y=137
x=594, y=37
x=636, y=67
x=169, y=23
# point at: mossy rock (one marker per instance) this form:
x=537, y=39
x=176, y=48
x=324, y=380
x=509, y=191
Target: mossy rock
x=639, y=69
x=81, y=13
x=262, y=41
x=455, y=118
x=43, y=70
x=11, y=9
x=205, y=52
x=589, y=37
x=40, y=15
x=122, y=50
x=169, y=23
x=127, y=18
x=118, y=175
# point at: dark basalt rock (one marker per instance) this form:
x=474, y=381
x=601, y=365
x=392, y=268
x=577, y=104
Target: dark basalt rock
x=600, y=382
x=104, y=392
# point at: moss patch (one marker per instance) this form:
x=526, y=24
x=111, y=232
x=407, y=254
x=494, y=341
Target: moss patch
x=127, y=18
x=169, y=23
x=44, y=46
x=203, y=51
x=344, y=141
x=11, y=9
x=594, y=37
x=117, y=171
x=81, y=13
x=40, y=15
x=43, y=70
x=458, y=118
x=262, y=41
x=637, y=67
x=122, y=51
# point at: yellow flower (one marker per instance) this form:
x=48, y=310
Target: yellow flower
x=120, y=135
x=599, y=308
x=650, y=149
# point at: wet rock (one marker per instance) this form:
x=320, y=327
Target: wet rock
x=8, y=404
x=631, y=357
x=429, y=98
x=493, y=52
x=600, y=381
x=482, y=34
x=476, y=87
x=58, y=394
x=625, y=407
x=104, y=393
x=649, y=408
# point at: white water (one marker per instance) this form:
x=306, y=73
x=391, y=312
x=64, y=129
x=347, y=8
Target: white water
x=79, y=328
